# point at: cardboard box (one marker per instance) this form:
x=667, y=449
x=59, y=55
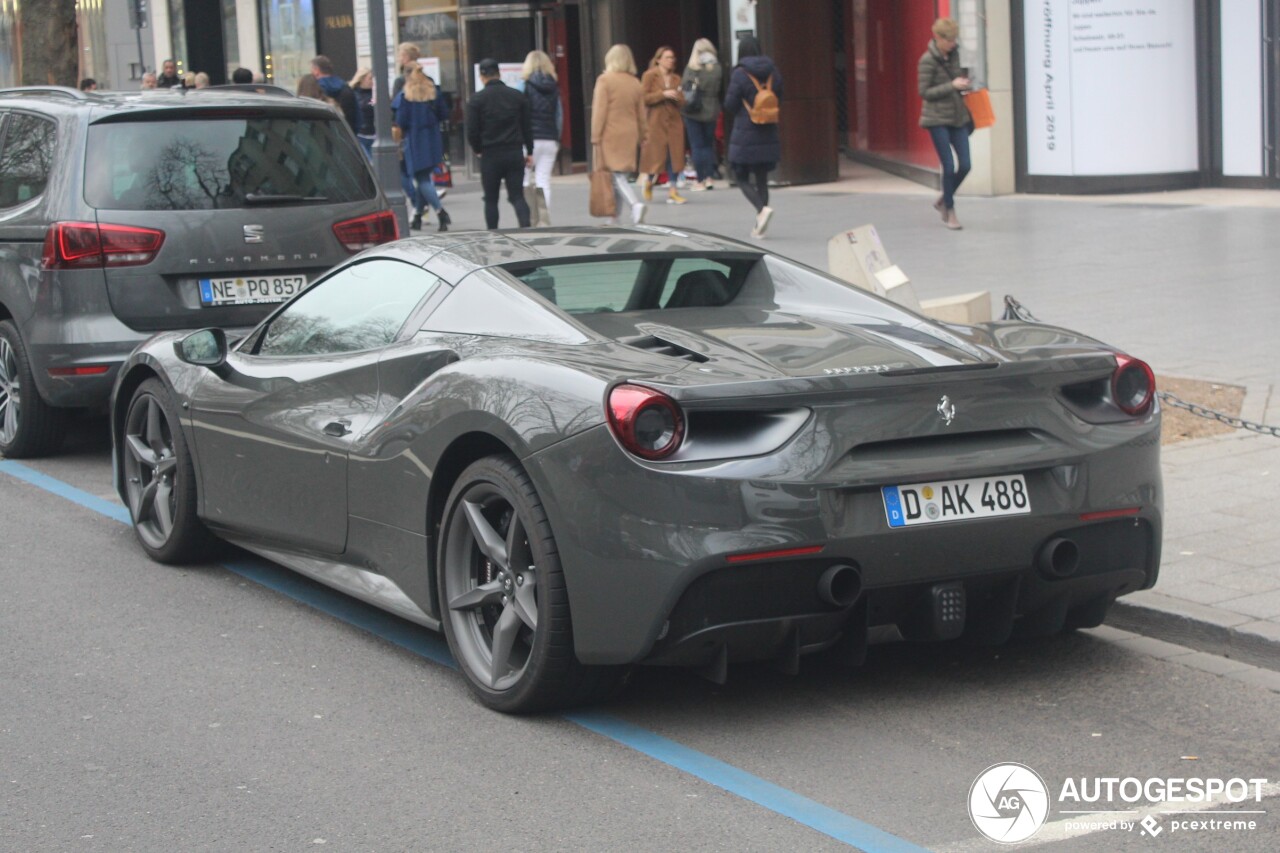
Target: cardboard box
x=856, y=256
x=897, y=287
x=966, y=308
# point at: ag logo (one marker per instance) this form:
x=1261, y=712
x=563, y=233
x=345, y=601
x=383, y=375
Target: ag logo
x=1008, y=803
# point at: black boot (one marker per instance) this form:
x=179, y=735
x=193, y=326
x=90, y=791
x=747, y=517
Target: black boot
x=416, y=224
x=443, y=216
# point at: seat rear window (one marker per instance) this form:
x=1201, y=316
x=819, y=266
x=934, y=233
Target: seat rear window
x=215, y=163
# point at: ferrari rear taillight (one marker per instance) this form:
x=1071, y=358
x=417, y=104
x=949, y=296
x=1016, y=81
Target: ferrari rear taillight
x=646, y=422
x=365, y=232
x=86, y=245
x=1133, y=385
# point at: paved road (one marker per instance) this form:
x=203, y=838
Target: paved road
x=152, y=708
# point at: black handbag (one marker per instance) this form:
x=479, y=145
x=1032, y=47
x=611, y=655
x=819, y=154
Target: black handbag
x=692, y=97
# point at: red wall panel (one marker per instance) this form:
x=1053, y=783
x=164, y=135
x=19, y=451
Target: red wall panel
x=889, y=36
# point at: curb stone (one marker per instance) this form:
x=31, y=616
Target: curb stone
x=1194, y=624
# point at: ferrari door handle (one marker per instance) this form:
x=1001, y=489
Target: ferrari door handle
x=338, y=428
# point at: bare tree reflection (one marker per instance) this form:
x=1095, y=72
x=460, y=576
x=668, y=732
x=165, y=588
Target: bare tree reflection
x=299, y=333
x=186, y=176
x=26, y=159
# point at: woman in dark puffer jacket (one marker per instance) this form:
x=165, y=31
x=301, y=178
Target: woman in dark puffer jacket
x=543, y=92
x=754, y=149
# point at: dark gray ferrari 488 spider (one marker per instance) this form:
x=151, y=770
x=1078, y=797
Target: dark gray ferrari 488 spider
x=576, y=450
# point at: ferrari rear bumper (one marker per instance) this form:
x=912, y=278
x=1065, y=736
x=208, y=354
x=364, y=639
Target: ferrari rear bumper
x=673, y=565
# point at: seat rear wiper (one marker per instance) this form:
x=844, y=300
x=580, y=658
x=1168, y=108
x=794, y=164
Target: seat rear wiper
x=280, y=198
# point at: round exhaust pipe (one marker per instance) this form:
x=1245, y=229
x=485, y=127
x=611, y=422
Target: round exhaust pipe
x=1059, y=558
x=840, y=585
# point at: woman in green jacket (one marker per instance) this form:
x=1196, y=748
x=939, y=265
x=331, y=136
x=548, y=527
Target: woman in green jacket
x=944, y=114
x=701, y=85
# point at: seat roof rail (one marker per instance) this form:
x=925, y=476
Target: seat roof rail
x=260, y=88
x=60, y=91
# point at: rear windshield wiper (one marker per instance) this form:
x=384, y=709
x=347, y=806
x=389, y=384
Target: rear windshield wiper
x=280, y=198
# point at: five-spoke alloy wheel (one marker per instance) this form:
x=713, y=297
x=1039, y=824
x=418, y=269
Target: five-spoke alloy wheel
x=502, y=595
x=28, y=425
x=159, y=480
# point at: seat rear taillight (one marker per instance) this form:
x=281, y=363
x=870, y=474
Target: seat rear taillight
x=87, y=245
x=646, y=422
x=1133, y=385
x=365, y=232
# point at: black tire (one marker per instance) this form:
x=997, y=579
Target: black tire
x=28, y=425
x=160, y=481
x=509, y=599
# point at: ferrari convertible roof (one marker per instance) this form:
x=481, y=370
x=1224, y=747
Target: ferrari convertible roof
x=466, y=251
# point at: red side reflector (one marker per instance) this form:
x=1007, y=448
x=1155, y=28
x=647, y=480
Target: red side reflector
x=775, y=555
x=81, y=370
x=1110, y=513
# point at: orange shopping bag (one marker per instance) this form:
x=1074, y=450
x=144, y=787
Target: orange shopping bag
x=979, y=103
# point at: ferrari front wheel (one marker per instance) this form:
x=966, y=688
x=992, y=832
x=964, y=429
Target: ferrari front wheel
x=160, y=478
x=503, y=600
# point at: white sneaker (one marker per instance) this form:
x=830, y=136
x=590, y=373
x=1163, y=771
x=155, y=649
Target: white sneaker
x=612, y=220
x=638, y=211
x=762, y=221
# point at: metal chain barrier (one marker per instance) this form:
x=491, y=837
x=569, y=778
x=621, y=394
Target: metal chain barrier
x=1197, y=409
x=1015, y=310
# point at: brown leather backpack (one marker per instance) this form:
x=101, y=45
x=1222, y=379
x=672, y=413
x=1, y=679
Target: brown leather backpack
x=765, y=108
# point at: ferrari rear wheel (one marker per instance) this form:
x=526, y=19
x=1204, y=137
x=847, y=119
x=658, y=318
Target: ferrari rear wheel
x=504, y=604
x=28, y=425
x=160, y=479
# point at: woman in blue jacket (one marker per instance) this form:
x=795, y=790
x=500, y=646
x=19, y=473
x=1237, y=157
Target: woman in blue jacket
x=419, y=109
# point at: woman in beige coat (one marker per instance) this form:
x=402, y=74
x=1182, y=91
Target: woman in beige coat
x=618, y=125
x=665, y=146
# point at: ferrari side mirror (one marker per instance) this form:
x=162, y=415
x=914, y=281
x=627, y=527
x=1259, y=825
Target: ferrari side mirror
x=207, y=348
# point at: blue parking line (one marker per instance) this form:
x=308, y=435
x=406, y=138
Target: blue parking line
x=418, y=640
x=63, y=490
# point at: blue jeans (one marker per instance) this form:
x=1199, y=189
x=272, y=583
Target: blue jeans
x=426, y=191
x=366, y=142
x=702, y=139
x=953, y=174
x=406, y=184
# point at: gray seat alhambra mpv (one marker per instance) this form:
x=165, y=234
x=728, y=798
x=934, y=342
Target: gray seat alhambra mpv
x=126, y=214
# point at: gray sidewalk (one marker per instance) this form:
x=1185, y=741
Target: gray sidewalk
x=1187, y=281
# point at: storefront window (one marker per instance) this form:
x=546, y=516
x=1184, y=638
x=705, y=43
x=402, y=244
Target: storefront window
x=436, y=35
x=288, y=40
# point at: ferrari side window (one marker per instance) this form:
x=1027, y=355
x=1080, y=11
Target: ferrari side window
x=358, y=308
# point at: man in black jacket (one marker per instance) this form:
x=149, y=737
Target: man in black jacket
x=168, y=77
x=500, y=131
x=337, y=90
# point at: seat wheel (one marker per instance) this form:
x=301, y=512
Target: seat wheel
x=160, y=480
x=28, y=425
x=504, y=604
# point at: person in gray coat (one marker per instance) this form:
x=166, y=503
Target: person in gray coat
x=944, y=115
x=701, y=84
